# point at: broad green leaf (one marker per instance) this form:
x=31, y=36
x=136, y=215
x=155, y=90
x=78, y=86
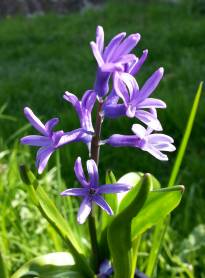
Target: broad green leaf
x=53, y=265
x=54, y=217
x=158, y=204
x=119, y=231
x=133, y=179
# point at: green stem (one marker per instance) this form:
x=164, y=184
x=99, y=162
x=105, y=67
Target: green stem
x=95, y=151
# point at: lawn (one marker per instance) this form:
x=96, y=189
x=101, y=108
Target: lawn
x=43, y=56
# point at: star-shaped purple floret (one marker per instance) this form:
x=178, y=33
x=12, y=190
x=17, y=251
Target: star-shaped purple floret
x=135, y=100
x=50, y=140
x=91, y=191
x=113, y=57
x=143, y=139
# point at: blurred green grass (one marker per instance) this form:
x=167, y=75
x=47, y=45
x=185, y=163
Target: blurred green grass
x=41, y=57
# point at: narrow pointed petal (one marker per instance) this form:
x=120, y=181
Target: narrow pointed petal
x=71, y=136
x=111, y=67
x=88, y=100
x=113, y=188
x=93, y=172
x=155, y=152
x=151, y=84
x=113, y=44
x=84, y=210
x=121, y=89
x=100, y=38
x=35, y=140
x=34, y=121
x=135, y=69
x=70, y=98
x=80, y=173
x=139, y=130
x=149, y=119
x=127, y=45
x=74, y=192
x=165, y=147
x=103, y=204
x=42, y=158
x=157, y=138
x=97, y=54
x=152, y=102
x=51, y=124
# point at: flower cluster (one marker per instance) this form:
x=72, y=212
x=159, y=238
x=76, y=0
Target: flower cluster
x=118, y=94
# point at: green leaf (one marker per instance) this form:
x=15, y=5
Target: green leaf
x=158, y=204
x=50, y=212
x=53, y=265
x=185, y=138
x=119, y=231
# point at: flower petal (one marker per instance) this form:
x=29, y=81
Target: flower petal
x=126, y=46
x=36, y=140
x=155, y=152
x=103, y=204
x=80, y=173
x=93, y=172
x=42, y=158
x=100, y=38
x=113, y=188
x=152, y=102
x=74, y=192
x=70, y=98
x=159, y=138
x=151, y=84
x=97, y=54
x=111, y=47
x=88, y=100
x=50, y=125
x=84, y=210
x=136, y=67
x=139, y=130
x=72, y=136
x=34, y=121
x=149, y=119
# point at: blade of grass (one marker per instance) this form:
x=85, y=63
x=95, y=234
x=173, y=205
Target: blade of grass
x=161, y=227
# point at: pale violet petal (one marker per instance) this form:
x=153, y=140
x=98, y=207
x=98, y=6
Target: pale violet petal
x=84, y=210
x=103, y=204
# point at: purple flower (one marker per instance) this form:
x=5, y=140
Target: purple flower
x=106, y=269
x=83, y=109
x=50, y=140
x=155, y=144
x=113, y=58
x=135, y=100
x=91, y=191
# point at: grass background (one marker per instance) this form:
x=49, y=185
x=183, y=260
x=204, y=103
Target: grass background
x=41, y=57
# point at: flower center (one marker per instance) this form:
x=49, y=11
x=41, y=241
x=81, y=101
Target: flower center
x=92, y=191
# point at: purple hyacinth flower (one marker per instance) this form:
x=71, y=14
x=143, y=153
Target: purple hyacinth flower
x=50, y=140
x=113, y=58
x=143, y=139
x=91, y=191
x=83, y=109
x=135, y=100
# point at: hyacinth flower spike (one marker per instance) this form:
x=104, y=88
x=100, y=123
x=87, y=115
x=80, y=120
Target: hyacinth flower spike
x=49, y=140
x=143, y=139
x=113, y=58
x=91, y=191
x=135, y=100
x=83, y=109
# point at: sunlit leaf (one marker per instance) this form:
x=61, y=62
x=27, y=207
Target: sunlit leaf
x=53, y=265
